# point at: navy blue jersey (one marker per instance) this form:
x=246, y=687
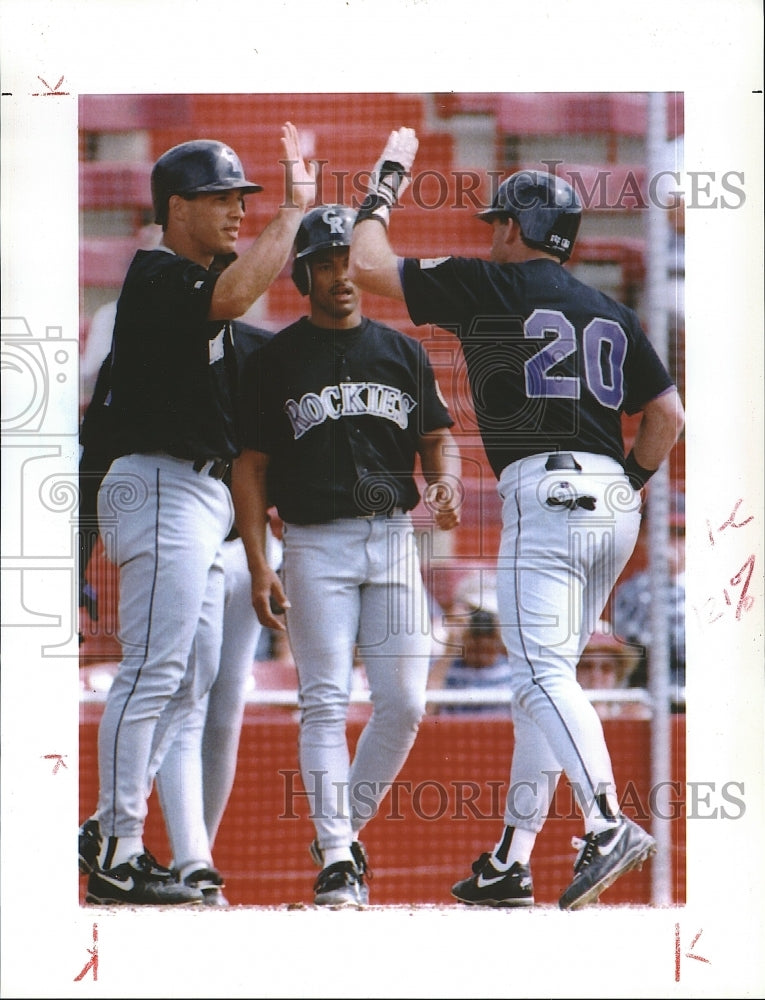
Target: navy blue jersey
x=173, y=370
x=552, y=362
x=247, y=340
x=340, y=413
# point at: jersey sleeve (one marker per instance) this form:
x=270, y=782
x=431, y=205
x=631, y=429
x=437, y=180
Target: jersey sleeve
x=435, y=412
x=176, y=290
x=647, y=376
x=441, y=290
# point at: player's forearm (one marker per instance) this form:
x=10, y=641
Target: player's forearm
x=244, y=281
x=373, y=264
x=251, y=274
x=248, y=490
x=442, y=469
x=440, y=458
x=659, y=429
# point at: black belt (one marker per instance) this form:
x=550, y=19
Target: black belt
x=562, y=460
x=558, y=462
x=215, y=467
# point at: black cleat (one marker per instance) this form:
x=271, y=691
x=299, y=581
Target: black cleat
x=361, y=860
x=602, y=858
x=89, y=845
x=489, y=887
x=141, y=881
x=339, y=884
x=211, y=883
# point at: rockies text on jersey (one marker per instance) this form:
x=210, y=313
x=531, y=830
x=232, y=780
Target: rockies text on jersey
x=344, y=442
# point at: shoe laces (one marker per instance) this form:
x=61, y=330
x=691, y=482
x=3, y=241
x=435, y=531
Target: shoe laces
x=148, y=863
x=335, y=876
x=361, y=859
x=91, y=830
x=478, y=864
x=358, y=852
x=586, y=847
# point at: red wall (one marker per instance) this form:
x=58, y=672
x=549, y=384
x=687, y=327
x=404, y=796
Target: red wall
x=423, y=840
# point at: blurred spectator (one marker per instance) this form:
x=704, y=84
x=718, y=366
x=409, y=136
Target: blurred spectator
x=473, y=590
x=607, y=665
x=98, y=341
x=97, y=345
x=482, y=663
x=631, y=614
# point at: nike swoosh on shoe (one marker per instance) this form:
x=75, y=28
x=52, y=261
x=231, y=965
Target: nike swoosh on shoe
x=124, y=884
x=481, y=882
x=606, y=849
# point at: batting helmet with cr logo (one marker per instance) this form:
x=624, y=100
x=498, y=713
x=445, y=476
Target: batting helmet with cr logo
x=323, y=227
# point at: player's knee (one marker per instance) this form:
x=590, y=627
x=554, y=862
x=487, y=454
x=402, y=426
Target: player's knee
x=324, y=713
x=405, y=712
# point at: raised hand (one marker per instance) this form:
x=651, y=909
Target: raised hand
x=300, y=179
x=390, y=176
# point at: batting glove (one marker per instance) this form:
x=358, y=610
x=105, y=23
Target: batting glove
x=390, y=176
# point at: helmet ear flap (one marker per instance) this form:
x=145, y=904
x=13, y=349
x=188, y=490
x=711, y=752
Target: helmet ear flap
x=323, y=228
x=301, y=275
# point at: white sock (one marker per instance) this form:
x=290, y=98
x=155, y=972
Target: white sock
x=520, y=847
x=124, y=848
x=334, y=854
x=193, y=866
x=599, y=824
x=605, y=817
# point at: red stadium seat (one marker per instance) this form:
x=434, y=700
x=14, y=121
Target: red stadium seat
x=340, y=110
x=620, y=114
x=105, y=260
x=563, y=114
x=124, y=113
x=114, y=185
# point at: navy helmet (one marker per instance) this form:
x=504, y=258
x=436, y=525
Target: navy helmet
x=323, y=227
x=546, y=207
x=195, y=167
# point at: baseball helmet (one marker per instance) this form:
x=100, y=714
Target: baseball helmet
x=323, y=227
x=194, y=167
x=547, y=209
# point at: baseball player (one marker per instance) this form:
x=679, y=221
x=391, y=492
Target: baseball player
x=342, y=406
x=206, y=748
x=553, y=364
x=163, y=508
